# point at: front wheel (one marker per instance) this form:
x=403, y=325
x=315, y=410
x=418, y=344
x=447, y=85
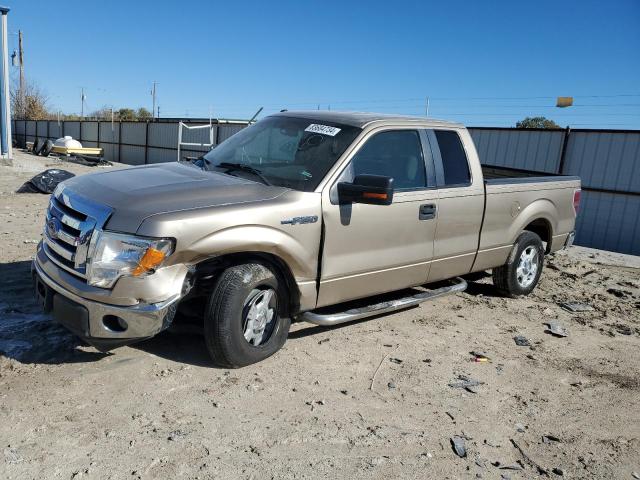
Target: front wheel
x=246, y=319
x=521, y=273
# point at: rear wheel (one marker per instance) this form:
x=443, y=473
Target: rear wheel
x=246, y=319
x=521, y=273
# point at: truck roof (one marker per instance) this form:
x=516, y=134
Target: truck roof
x=362, y=119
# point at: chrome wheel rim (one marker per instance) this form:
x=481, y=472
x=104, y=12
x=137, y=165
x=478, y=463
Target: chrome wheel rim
x=527, y=267
x=259, y=315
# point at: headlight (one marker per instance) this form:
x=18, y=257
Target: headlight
x=113, y=255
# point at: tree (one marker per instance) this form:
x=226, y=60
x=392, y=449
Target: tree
x=32, y=104
x=144, y=114
x=126, y=114
x=537, y=122
x=103, y=113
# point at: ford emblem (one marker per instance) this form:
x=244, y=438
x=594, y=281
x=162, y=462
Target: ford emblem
x=53, y=226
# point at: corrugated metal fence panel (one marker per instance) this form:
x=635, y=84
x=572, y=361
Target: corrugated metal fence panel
x=609, y=221
x=163, y=135
x=161, y=155
x=72, y=129
x=41, y=128
x=18, y=127
x=527, y=150
x=55, y=130
x=89, y=132
x=109, y=132
x=31, y=127
x=606, y=160
x=131, y=155
x=133, y=133
x=225, y=131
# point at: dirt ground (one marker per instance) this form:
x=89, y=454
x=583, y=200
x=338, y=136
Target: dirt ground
x=372, y=399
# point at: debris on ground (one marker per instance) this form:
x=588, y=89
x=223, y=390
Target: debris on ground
x=45, y=182
x=618, y=292
x=541, y=470
x=480, y=357
x=457, y=443
x=557, y=329
x=558, y=471
x=520, y=428
x=521, y=341
x=576, y=307
x=466, y=383
x=550, y=439
x=395, y=360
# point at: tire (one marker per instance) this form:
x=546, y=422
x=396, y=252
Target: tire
x=229, y=311
x=47, y=149
x=511, y=281
x=38, y=143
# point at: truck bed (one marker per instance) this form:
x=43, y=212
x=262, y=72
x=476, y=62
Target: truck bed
x=494, y=175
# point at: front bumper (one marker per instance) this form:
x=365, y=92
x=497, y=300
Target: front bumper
x=102, y=325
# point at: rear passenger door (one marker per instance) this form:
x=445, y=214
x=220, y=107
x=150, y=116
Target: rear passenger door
x=460, y=203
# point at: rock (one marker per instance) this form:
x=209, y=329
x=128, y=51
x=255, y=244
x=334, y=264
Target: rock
x=521, y=341
x=557, y=330
x=576, y=307
x=558, y=471
x=520, y=428
x=457, y=443
x=636, y=475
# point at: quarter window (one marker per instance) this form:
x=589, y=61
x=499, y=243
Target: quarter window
x=454, y=160
x=396, y=154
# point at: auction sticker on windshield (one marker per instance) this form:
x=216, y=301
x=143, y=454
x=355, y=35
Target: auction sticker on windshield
x=323, y=129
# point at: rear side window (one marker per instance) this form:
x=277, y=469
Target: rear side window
x=396, y=154
x=454, y=160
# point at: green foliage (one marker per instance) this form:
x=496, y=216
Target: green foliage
x=537, y=122
x=144, y=114
x=126, y=114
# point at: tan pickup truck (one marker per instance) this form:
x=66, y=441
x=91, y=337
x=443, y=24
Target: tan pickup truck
x=304, y=216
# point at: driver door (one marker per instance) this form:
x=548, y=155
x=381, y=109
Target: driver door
x=372, y=249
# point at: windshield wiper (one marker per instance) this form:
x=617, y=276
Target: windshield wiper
x=244, y=168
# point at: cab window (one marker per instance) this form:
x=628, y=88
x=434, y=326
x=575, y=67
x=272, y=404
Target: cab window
x=396, y=154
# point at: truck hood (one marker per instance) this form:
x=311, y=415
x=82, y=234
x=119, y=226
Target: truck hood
x=137, y=193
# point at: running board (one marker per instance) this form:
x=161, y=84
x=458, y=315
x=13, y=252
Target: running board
x=335, y=318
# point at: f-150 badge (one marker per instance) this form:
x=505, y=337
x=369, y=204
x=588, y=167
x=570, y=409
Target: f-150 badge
x=300, y=220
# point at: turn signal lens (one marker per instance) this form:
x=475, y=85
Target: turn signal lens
x=378, y=196
x=151, y=259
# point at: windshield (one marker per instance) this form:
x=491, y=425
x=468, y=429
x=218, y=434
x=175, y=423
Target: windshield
x=288, y=152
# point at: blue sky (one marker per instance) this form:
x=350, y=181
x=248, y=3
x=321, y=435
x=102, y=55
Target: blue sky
x=479, y=62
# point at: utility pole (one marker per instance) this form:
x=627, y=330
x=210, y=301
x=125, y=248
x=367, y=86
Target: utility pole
x=82, y=97
x=153, y=94
x=426, y=111
x=21, y=60
x=158, y=116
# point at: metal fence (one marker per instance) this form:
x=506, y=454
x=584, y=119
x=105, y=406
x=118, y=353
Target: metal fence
x=608, y=162
x=133, y=143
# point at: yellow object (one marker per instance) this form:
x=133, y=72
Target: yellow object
x=72, y=150
x=151, y=259
x=78, y=150
x=564, y=102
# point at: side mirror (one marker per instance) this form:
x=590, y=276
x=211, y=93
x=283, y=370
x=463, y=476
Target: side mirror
x=371, y=189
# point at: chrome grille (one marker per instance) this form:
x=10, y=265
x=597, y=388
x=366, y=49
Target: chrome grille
x=70, y=223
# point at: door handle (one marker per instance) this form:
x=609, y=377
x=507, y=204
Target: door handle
x=427, y=211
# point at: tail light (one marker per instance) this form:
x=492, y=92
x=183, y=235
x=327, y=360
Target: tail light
x=576, y=201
